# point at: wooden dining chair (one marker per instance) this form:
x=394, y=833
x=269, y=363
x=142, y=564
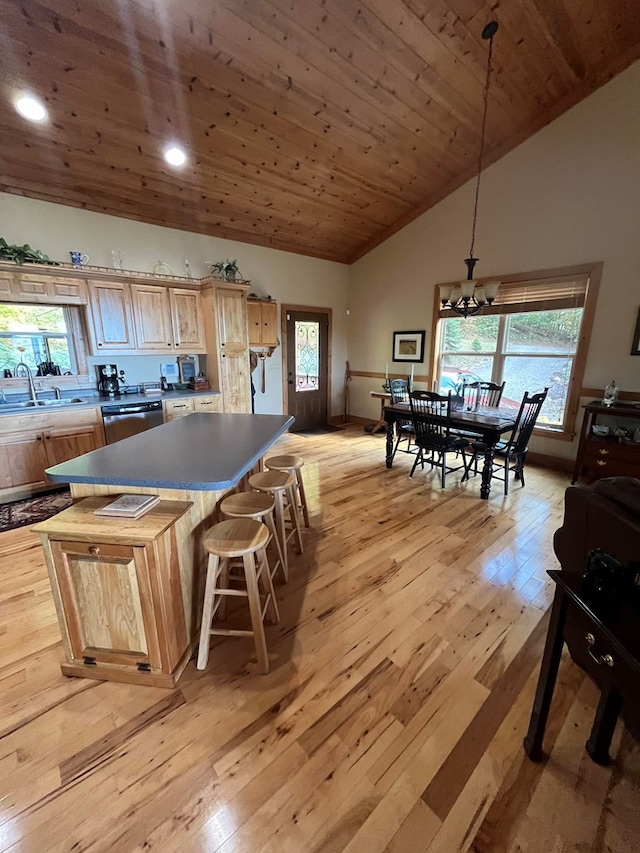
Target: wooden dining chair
x=510, y=455
x=481, y=395
x=431, y=417
x=399, y=390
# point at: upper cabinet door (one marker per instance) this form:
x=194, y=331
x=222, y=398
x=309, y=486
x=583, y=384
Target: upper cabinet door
x=187, y=320
x=112, y=320
x=232, y=319
x=151, y=314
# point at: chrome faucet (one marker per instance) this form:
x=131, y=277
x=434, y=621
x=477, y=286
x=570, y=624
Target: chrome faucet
x=33, y=395
x=56, y=391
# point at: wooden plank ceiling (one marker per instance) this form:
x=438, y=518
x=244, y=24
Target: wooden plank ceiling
x=312, y=126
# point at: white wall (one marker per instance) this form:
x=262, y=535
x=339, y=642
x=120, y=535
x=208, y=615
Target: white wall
x=286, y=277
x=569, y=195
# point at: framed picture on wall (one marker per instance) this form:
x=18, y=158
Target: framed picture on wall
x=408, y=346
x=635, y=346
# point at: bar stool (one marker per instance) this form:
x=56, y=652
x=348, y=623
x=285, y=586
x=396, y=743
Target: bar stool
x=246, y=538
x=259, y=506
x=292, y=465
x=279, y=484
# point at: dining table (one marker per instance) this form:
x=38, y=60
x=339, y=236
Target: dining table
x=488, y=425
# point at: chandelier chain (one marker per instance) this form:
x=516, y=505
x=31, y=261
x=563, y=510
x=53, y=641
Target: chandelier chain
x=485, y=97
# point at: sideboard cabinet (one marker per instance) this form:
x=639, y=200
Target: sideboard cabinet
x=602, y=453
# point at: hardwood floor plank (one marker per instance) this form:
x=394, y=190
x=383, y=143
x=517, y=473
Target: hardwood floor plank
x=402, y=675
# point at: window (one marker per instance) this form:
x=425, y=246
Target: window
x=530, y=338
x=35, y=334
x=307, y=355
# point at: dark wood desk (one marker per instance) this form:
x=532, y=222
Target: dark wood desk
x=608, y=652
x=489, y=425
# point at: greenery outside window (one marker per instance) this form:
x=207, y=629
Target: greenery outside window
x=533, y=337
x=35, y=334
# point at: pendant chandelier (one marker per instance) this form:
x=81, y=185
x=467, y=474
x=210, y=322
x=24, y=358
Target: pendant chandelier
x=468, y=297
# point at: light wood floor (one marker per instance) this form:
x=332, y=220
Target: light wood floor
x=402, y=678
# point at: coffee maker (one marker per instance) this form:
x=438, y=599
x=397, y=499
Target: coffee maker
x=108, y=385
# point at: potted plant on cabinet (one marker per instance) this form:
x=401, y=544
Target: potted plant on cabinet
x=22, y=254
x=227, y=269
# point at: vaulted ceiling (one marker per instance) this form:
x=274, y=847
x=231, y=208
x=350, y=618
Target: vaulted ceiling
x=313, y=126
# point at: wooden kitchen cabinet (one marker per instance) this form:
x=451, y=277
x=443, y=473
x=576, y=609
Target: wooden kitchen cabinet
x=262, y=316
x=179, y=408
x=117, y=588
x=151, y=317
x=23, y=458
x=167, y=319
x=606, y=455
x=112, y=327
x=65, y=443
x=186, y=320
x=32, y=442
x=227, y=338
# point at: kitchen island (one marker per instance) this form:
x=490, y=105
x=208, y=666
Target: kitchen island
x=128, y=591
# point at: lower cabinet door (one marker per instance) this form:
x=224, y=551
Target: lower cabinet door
x=23, y=459
x=106, y=596
x=234, y=377
x=64, y=444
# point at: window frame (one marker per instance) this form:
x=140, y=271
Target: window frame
x=591, y=274
x=75, y=319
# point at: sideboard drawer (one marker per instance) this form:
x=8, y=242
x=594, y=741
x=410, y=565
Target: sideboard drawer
x=611, y=459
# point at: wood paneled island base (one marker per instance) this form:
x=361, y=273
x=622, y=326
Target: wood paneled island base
x=128, y=592
x=124, y=594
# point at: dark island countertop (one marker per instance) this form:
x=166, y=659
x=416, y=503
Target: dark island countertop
x=204, y=452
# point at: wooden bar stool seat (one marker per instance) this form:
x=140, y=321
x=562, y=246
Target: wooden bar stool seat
x=246, y=538
x=292, y=465
x=259, y=506
x=281, y=485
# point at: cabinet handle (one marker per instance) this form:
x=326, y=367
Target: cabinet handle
x=94, y=550
x=603, y=451
x=606, y=659
x=48, y=437
x=600, y=462
x=39, y=437
x=169, y=344
x=99, y=344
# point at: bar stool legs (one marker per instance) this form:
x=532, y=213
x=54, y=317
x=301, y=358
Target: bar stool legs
x=246, y=538
x=292, y=465
x=279, y=484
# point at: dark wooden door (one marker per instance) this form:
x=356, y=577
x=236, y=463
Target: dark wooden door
x=307, y=335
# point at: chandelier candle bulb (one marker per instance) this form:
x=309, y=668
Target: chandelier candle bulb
x=491, y=290
x=386, y=371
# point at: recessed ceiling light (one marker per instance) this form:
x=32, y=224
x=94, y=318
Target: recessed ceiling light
x=30, y=108
x=175, y=156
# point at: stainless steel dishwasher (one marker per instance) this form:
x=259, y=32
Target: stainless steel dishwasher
x=122, y=420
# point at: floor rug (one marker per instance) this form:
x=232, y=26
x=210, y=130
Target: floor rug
x=31, y=510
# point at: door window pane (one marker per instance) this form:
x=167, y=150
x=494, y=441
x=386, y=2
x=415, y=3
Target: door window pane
x=307, y=355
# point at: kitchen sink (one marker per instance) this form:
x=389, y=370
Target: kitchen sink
x=38, y=404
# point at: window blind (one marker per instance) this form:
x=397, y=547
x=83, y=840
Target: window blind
x=519, y=297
